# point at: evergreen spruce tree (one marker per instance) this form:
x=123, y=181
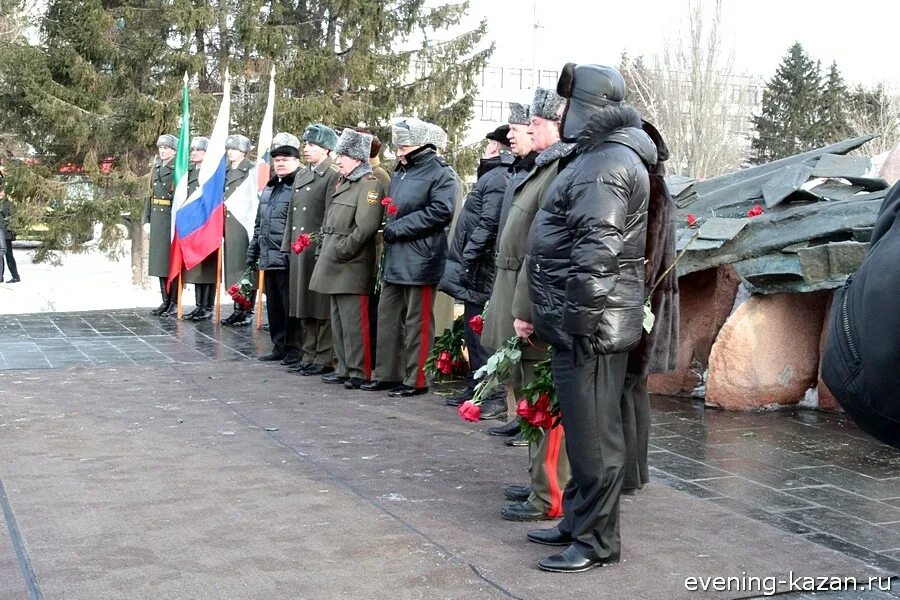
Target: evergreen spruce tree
x=104, y=80
x=791, y=101
x=833, y=103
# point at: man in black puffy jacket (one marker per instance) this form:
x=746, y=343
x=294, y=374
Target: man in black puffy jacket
x=265, y=247
x=419, y=210
x=585, y=267
x=469, y=274
x=862, y=351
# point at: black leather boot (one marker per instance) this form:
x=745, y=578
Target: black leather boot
x=206, y=297
x=166, y=299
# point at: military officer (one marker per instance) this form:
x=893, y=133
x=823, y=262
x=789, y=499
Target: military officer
x=347, y=262
x=423, y=191
x=158, y=220
x=236, y=238
x=203, y=276
x=310, y=311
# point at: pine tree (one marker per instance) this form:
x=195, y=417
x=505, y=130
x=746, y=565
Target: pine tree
x=791, y=100
x=833, y=103
x=104, y=81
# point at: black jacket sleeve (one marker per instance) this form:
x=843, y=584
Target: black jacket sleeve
x=482, y=237
x=434, y=216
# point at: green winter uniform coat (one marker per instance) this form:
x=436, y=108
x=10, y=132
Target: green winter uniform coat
x=509, y=298
x=158, y=212
x=310, y=201
x=236, y=237
x=205, y=272
x=346, y=264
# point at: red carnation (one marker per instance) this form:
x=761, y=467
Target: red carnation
x=543, y=420
x=543, y=403
x=691, y=220
x=445, y=363
x=525, y=410
x=469, y=411
x=755, y=211
x=391, y=209
x=387, y=201
x=301, y=243
x=476, y=323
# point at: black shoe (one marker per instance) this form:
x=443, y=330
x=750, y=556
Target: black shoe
x=354, y=383
x=516, y=440
x=523, y=511
x=405, y=391
x=379, y=386
x=246, y=318
x=549, y=537
x=159, y=310
x=631, y=491
x=13, y=280
x=300, y=366
x=290, y=360
x=334, y=378
x=204, y=314
x=230, y=319
x=458, y=399
x=190, y=316
x=316, y=369
x=172, y=311
x=511, y=428
x=272, y=356
x=516, y=492
x=571, y=560
x=265, y=327
x=493, y=409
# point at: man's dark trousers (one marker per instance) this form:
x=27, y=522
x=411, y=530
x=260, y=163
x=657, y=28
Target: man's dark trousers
x=477, y=354
x=282, y=328
x=590, y=397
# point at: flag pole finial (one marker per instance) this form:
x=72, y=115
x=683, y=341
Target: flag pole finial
x=185, y=78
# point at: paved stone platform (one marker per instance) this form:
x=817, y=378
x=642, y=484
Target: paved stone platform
x=176, y=467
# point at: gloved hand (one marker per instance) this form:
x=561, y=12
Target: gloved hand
x=147, y=228
x=389, y=235
x=585, y=348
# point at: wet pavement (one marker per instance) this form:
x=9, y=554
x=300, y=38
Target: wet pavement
x=810, y=475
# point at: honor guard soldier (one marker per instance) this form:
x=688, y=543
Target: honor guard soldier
x=310, y=311
x=423, y=193
x=203, y=276
x=265, y=250
x=158, y=220
x=346, y=265
x=586, y=282
x=236, y=237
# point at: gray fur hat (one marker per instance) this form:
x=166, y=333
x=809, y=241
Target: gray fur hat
x=409, y=132
x=320, y=135
x=200, y=143
x=518, y=114
x=167, y=141
x=547, y=104
x=436, y=136
x=354, y=144
x=285, y=144
x=238, y=142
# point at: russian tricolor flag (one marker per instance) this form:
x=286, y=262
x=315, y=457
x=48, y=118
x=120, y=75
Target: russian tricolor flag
x=198, y=220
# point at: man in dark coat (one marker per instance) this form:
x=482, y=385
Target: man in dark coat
x=203, y=276
x=346, y=264
x=7, y=236
x=310, y=311
x=235, y=234
x=862, y=350
x=585, y=267
x=158, y=221
x=469, y=274
x=264, y=250
x=423, y=192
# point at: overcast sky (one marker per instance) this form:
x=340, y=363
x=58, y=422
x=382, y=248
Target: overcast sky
x=859, y=34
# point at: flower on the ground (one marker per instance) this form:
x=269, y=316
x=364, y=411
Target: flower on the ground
x=476, y=323
x=469, y=411
x=755, y=211
x=691, y=220
x=445, y=363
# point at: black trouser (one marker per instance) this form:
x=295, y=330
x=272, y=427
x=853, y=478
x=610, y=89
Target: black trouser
x=636, y=424
x=11, y=260
x=589, y=400
x=283, y=330
x=477, y=354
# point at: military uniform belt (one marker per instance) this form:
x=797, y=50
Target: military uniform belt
x=508, y=262
x=162, y=202
x=337, y=230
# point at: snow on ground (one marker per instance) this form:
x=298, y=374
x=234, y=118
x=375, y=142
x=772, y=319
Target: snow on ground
x=88, y=281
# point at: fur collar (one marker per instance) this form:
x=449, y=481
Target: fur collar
x=554, y=152
x=359, y=172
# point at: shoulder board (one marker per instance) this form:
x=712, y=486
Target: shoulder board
x=443, y=161
x=370, y=177
x=334, y=168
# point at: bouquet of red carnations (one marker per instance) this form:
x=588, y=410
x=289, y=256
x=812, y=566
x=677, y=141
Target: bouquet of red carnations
x=240, y=292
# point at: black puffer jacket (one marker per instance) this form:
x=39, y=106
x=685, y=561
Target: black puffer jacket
x=271, y=218
x=585, y=255
x=424, y=192
x=862, y=351
x=469, y=273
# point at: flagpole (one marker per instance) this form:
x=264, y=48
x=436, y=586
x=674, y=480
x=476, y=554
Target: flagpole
x=178, y=314
x=259, y=295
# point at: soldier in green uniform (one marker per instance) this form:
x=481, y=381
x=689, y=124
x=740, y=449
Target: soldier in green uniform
x=310, y=311
x=347, y=262
x=158, y=220
x=236, y=236
x=203, y=276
